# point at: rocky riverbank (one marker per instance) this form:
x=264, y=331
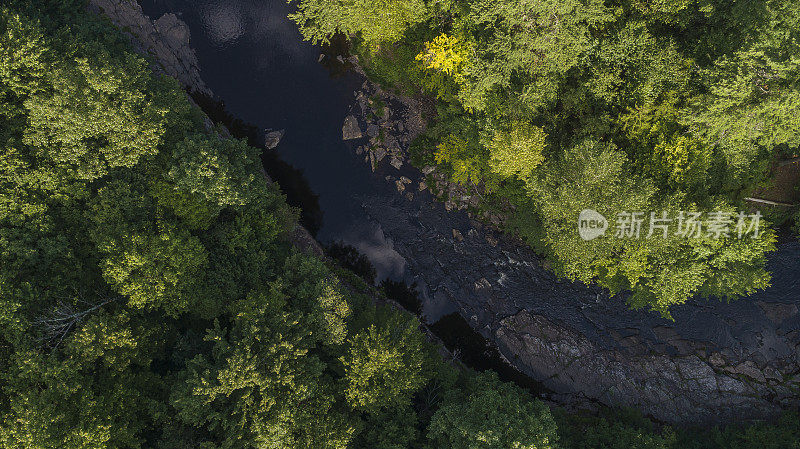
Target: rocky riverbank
x=166, y=43
x=385, y=124
x=717, y=362
x=165, y=40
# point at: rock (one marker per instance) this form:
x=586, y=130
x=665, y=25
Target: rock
x=748, y=369
x=321, y=57
x=405, y=180
x=401, y=187
x=778, y=312
x=360, y=150
x=373, y=130
x=491, y=240
x=457, y=235
x=409, y=196
x=422, y=186
x=165, y=41
x=173, y=29
x=350, y=129
x=273, y=138
x=380, y=153
x=391, y=143
x=428, y=169
x=396, y=162
x=716, y=360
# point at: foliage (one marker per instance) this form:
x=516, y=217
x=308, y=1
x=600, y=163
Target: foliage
x=660, y=272
x=385, y=365
x=518, y=151
x=700, y=98
x=375, y=21
x=149, y=295
x=491, y=414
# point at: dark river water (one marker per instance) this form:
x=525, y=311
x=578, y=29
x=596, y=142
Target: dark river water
x=254, y=59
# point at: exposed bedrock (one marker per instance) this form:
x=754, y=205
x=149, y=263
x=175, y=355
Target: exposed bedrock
x=716, y=362
x=165, y=40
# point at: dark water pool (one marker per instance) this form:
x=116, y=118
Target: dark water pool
x=254, y=59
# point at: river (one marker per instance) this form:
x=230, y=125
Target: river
x=253, y=58
x=717, y=361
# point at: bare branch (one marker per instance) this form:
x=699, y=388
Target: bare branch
x=64, y=317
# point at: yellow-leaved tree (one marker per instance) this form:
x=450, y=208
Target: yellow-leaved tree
x=518, y=151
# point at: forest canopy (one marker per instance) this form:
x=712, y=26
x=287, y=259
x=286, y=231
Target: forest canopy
x=150, y=296
x=558, y=106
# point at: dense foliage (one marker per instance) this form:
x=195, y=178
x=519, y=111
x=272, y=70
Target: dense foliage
x=150, y=298
x=612, y=105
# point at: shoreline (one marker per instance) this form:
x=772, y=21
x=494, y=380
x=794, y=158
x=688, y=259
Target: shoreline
x=573, y=338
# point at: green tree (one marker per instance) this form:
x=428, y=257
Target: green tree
x=518, y=151
x=261, y=385
x=750, y=109
x=375, y=21
x=385, y=363
x=487, y=413
x=660, y=272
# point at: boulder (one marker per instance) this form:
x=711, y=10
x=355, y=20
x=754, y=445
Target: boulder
x=373, y=130
x=380, y=153
x=396, y=162
x=273, y=138
x=391, y=143
x=351, y=130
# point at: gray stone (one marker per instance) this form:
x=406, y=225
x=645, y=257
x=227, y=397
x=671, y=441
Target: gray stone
x=373, y=130
x=166, y=40
x=778, y=312
x=380, y=153
x=396, y=162
x=273, y=138
x=351, y=130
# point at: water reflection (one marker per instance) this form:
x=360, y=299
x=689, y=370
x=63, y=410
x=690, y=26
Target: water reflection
x=222, y=22
x=372, y=243
x=253, y=58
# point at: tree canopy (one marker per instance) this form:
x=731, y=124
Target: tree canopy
x=150, y=296
x=688, y=104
